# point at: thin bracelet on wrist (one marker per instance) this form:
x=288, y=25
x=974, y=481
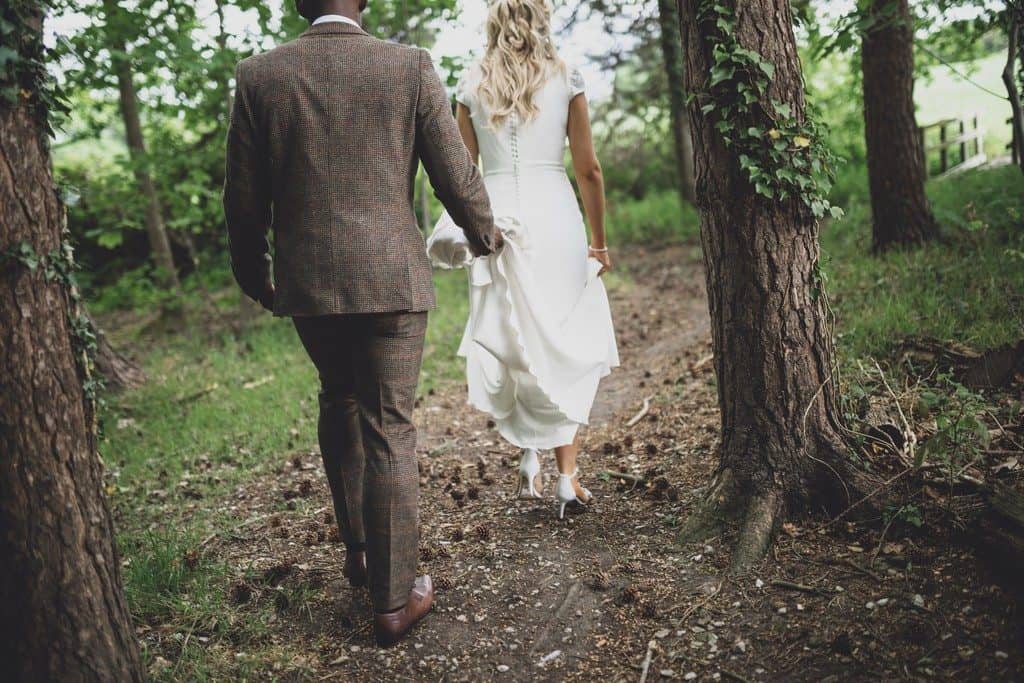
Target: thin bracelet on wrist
x=599, y=250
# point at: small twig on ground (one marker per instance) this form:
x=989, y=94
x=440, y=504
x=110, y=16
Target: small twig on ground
x=780, y=583
x=909, y=438
x=199, y=394
x=695, y=606
x=635, y=478
x=734, y=676
x=881, y=539
x=443, y=448
x=1004, y=431
x=702, y=362
x=647, y=661
x=643, y=411
x=863, y=570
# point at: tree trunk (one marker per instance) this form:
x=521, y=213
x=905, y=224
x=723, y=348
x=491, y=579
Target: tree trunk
x=781, y=450
x=222, y=45
x=61, y=606
x=159, y=245
x=900, y=210
x=671, y=52
x=1014, y=18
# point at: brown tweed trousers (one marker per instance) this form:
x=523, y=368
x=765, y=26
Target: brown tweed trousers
x=326, y=135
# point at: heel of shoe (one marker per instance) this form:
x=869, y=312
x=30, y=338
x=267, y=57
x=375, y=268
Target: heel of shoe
x=529, y=468
x=566, y=493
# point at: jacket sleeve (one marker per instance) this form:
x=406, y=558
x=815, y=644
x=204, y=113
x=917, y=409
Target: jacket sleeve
x=247, y=196
x=454, y=176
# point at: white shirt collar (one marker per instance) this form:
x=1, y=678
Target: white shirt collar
x=334, y=17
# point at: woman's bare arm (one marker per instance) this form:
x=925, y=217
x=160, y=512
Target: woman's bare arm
x=588, y=177
x=468, y=134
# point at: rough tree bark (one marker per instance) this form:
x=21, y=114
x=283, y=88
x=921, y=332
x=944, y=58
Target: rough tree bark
x=671, y=52
x=62, y=610
x=156, y=231
x=900, y=210
x=1014, y=19
x=782, y=450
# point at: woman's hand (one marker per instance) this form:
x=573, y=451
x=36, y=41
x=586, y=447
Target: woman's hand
x=603, y=258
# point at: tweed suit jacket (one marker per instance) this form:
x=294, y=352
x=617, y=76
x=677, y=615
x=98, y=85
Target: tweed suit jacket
x=325, y=137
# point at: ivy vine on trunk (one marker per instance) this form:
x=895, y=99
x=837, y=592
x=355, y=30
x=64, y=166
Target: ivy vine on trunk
x=763, y=171
x=61, y=604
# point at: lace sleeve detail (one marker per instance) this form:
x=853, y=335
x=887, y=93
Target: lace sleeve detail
x=576, y=84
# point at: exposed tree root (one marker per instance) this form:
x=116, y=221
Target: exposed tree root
x=762, y=516
x=837, y=484
x=719, y=507
x=119, y=373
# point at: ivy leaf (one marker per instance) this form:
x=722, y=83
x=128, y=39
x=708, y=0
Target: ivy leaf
x=801, y=141
x=720, y=74
x=7, y=55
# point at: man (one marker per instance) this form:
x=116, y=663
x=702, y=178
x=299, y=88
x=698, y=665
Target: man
x=323, y=146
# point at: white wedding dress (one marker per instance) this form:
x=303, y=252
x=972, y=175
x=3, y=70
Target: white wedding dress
x=539, y=336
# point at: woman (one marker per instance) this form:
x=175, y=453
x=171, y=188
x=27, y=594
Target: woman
x=539, y=337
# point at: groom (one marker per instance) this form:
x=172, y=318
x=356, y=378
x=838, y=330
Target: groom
x=325, y=138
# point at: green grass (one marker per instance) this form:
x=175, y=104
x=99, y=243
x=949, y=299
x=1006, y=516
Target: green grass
x=969, y=287
x=658, y=218
x=239, y=400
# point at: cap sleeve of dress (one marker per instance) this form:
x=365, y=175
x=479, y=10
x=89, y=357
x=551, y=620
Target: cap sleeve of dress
x=463, y=90
x=576, y=84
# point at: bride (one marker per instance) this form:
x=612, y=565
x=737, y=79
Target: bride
x=539, y=336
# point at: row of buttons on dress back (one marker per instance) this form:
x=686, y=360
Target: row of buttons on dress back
x=514, y=144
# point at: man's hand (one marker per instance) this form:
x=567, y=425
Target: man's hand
x=488, y=244
x=266, y=297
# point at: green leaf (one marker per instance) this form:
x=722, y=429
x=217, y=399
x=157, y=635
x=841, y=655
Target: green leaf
x=7, y=55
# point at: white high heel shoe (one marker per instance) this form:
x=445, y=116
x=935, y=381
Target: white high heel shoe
x=529, y=470
x=566, y=493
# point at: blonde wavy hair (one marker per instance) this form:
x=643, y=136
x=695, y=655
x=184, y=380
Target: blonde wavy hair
x=518, y=59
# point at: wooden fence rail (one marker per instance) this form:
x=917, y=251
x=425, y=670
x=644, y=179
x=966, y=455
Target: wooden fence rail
x=967, y=134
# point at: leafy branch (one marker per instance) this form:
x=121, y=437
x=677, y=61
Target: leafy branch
x=23, y=75
x=783, y=156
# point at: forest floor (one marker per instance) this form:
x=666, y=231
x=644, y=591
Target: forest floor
x=609, y=593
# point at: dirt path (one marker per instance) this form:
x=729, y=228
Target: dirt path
x=523, y=596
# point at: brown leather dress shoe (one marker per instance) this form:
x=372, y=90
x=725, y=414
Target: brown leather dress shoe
x=355, y=568
x=391, y=627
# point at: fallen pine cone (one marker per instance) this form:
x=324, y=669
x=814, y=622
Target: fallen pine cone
x=629, y=595
x=601, y=581
x=240, y=593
